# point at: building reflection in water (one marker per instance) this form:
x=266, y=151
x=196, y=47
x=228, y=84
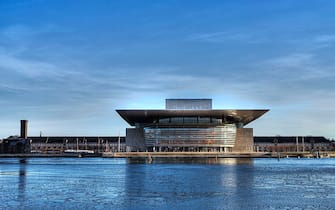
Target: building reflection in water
x=185, y=186
x=22, y=180
x=135, y=184
x=179, y=160
x=240, y=179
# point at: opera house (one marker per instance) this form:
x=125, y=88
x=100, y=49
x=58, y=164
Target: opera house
x=190, y=125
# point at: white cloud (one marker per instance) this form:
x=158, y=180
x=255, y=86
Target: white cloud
x=297, y=60
x=329, y=38
x=27, y=68
x=20, y=32
x=296, y=67
x=226, y=37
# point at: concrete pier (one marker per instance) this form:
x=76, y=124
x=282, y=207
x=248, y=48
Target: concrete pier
x=50, y=155
x=213, y=154
x=185, y=154
x=178, y=155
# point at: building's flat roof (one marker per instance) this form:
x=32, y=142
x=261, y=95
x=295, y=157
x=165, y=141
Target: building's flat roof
x=149, y=116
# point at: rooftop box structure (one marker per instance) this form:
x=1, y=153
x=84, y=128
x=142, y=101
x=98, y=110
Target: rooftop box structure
x=188, y=104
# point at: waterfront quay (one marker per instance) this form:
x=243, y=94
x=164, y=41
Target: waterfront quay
x=152, y=155
x=48, y=155
x=215, y=154
x=183, y=154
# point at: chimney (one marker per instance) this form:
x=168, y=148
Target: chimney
x=24, y=129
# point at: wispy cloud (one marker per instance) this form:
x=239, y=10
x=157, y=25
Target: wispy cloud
x=22, y=32
x=295, y=60
x=226, y=37
x=27, y=68
x=329, y=38
x=296, y=67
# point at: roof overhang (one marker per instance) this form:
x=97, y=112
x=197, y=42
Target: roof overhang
x=150, y=116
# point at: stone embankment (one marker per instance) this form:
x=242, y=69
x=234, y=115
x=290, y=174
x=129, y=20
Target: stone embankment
x=219, y=154
x=179, y=155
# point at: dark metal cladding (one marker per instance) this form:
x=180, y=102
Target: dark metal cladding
x=149, y=116
x=24, y=129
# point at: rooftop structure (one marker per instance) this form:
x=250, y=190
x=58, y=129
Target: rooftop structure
x=188, y=104
x=190, y=125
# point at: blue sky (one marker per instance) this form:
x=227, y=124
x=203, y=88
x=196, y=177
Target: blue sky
x=67, y=65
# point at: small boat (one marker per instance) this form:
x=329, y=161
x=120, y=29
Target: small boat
x=81, y=151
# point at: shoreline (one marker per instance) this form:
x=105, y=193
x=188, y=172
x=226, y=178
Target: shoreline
x=150, y=155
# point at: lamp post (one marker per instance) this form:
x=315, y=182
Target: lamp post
x=102, y=145
x=313, y=149
x=30, y=144
x=275, y=141
x=312, y=144
x=85, y=141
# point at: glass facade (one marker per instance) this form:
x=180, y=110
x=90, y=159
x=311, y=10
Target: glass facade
x=190, y=121
x=218, y=136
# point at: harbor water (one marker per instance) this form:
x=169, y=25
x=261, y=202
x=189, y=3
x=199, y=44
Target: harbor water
x=103, y=183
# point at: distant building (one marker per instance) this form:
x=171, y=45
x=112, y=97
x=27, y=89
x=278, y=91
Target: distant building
x=190, y=125
x=13, y=144
x=16, y=144
x=59, y=144
x=293, y=144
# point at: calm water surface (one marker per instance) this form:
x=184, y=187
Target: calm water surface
x=97, y=183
